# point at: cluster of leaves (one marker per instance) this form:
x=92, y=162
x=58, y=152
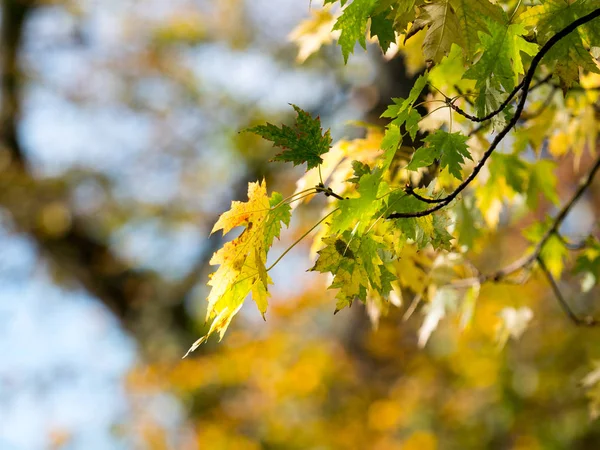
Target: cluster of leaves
x=408, y=203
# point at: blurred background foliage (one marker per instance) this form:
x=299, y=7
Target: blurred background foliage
x=120, y=147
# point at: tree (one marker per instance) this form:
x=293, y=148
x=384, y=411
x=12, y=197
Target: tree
x=415, y=216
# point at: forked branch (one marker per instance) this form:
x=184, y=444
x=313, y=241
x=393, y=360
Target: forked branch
x=525, y=87
x=526, y=261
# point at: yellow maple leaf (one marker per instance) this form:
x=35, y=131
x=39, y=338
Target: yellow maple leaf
x=241, y=262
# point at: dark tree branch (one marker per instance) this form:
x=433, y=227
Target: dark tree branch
x=328, y=191
x=547, y=103
x=503, y=105
x=410, y=190
x=525, y=84
x=527, y=260
x=461, y=95
x=587, y=321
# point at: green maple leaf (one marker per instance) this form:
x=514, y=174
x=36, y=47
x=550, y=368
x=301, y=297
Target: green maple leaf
x=422, y=231
x=400, y=105
x=389, y=144
x=488, y=100
x=302, y=143
x=473, y=17
x=500, y=63
x=280, y=213
x=409, y=117
x=508, y=176
x=383, y=27
x=359, y=170
x=404, y=13
x=402, y=112
x=360, y=210
x=441, y=238
x=353, y=25
x=511, y=168
x=449, y=148
x=570, y=53
x=354, y=261
x=401, y=202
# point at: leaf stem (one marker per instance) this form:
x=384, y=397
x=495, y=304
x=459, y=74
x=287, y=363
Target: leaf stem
x=435, y=100
x=300, y=239
x=512, y=16
x=432, y=111
x=295, y=194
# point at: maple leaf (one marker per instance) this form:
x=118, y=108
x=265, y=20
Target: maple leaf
x=355, y=263
x=404, y=13
x=467, y=222
x=474, y=17
x=500, y=63
x=303, y=143
x=443, y=29
x=353, y=25
x=383, y=27
x=570, y=53
x=422, y=231
x=360, y=210
x=242, y=261
x=450, y=148
x=402, y=112
x=359, y=170
x=508, y=176
x=389, y=144
x=454, y=22
x=280, y=213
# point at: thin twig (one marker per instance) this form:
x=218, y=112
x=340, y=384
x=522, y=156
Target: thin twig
x=463, y=95
x=538, y=112
x=541, y=82
x=328, y=192
x=587, y=321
